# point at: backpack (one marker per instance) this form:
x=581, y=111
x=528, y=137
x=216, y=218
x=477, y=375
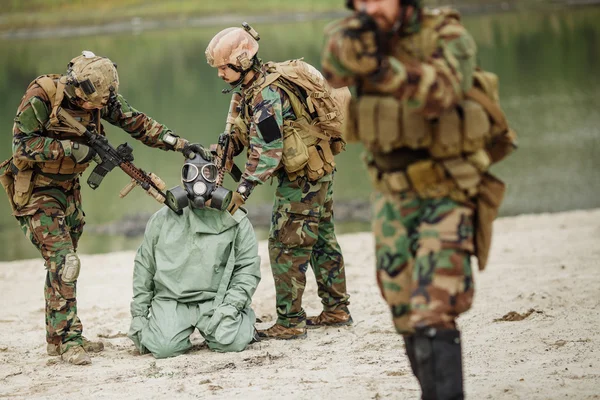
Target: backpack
x=310, y=94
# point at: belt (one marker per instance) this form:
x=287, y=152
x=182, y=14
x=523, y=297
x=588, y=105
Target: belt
x=399, y=159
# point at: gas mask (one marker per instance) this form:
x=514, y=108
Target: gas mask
x=199, y=178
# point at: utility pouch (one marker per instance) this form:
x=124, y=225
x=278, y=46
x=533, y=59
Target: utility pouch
x=465, y=175
x=8, y=183
x=349, y=127
x=396, y=182
x=477, y=126
x=491, y=193
x=388, y=117
x=367, y=120
x=502, y=145
x=447, y=135
x=376, y=178
x=23, y=188
x=327, y=157
x=337, y=146
x=417, y=130
x=295, y=152
x=315, y=166
x=428, y=179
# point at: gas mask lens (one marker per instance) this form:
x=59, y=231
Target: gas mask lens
x=189, y=173
x=210, y=172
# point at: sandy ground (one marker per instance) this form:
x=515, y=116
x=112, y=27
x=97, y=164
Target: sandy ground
x=543, y=266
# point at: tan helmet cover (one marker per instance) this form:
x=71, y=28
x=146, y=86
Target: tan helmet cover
x=232, y=46
x=102, y=75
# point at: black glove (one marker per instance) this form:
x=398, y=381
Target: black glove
x=190, y=148
x=364, y=46
x=82, y=153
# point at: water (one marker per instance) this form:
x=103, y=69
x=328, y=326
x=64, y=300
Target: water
x=550, y=89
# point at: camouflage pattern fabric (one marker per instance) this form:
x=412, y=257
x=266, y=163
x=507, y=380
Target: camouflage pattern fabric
x=302, y=233
x=55, y=229
x=32, y=142
x=53, y=219
x=423, y=245
x=428, y=80
x=264, y=157
x=423, y=249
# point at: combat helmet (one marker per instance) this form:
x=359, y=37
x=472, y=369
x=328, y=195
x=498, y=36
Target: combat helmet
x=94, y=78
x=234, y=47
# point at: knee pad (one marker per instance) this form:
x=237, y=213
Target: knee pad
x=70, y=271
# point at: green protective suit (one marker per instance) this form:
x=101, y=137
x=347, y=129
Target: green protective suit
x=195, y=270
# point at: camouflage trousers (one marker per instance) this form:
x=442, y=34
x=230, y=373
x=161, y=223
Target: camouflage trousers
x=423, y=249
x=302, y=233
x=54, y=224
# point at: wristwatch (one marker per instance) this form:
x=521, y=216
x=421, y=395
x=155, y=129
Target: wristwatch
x=244, y=189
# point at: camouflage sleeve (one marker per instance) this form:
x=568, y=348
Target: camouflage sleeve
x=266, y=135
x=29, y=141
x=139, y=125
x=428, y=87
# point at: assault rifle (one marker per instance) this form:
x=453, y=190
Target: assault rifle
x=224, y=148
x=121, y=157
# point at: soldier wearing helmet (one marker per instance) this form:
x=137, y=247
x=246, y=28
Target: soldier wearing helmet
x=42, y=179
x=416, y=111
x=302, y=230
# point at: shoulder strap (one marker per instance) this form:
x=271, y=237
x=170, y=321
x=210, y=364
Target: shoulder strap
x=55, y=93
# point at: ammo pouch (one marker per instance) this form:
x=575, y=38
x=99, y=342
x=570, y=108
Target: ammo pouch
x=320, y=161
x=384, y=124
x=23, y=187
x=491, y=193
x=458, y=178
x=8, y=183
x=295, y=152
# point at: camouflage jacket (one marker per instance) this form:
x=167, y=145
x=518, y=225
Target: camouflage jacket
x=427, y=75
x=265, y=112
x=33, y=141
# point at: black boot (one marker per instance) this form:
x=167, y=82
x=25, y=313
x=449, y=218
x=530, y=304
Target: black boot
x=439, y=363
x=409, y=343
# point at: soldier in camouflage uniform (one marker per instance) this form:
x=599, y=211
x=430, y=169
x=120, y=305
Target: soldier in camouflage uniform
x=428, y=149
x=302, y=230
x=42, y=179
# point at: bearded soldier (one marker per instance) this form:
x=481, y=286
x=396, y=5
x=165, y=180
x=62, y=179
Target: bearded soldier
x=42, y=179
x=302, y=230
x=431, y=125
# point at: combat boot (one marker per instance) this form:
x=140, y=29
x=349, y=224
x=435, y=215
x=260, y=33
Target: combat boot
x=340, y=317
x=438, y=359
x=89, y=346
x=76, y=355
x=281, y=332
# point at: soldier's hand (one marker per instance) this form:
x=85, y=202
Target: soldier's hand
x=361, y=51
x=237, y=200
x=190, y=148
x=82, y=153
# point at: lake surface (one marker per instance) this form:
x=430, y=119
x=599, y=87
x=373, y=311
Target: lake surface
x=548, y=65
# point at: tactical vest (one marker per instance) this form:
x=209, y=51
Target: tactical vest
x=57, y=129
x=311, y=141
x=445, y=156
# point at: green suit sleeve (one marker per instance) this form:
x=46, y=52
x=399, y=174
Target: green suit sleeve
x=143, y=271
x=246, y=272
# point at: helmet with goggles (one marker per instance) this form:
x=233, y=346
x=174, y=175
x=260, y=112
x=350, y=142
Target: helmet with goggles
x=93, y=78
